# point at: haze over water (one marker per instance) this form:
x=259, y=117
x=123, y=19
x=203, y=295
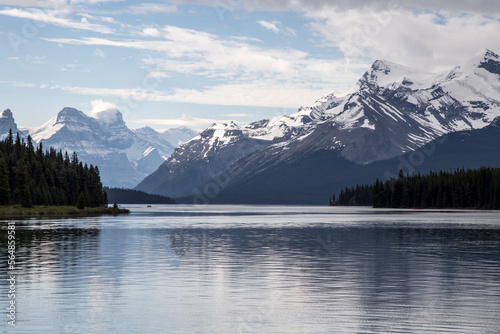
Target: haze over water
x=227, y=269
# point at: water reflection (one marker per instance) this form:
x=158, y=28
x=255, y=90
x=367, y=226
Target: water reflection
x=354, y=279
x=202, y=273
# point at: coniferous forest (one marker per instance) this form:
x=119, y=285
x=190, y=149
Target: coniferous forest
x=29, y=176
x=479, y=189
x=361, y=195
x=131, y=196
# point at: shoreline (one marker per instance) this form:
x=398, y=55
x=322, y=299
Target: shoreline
x=39, y=211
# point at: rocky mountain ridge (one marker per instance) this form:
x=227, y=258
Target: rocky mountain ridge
x=391, y=111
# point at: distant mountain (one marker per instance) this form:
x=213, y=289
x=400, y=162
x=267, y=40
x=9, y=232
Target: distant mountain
x=178, y=136
x=7, y=122
x=313, y=177
x=391, y=111
x=124, y=156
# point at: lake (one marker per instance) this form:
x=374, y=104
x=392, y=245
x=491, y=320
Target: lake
x=255, y=269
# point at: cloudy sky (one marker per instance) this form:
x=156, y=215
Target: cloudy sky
x=194, y=62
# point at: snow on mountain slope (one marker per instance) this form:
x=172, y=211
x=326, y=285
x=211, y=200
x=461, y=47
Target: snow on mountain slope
x=396, y=109
x=392, y=110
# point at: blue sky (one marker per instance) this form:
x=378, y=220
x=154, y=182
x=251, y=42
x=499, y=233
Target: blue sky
x=171, y=63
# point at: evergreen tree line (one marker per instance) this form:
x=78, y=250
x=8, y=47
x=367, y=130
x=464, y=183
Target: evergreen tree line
x=461, y=188
x=131, y=196
x=31, y=176
x=354, y=196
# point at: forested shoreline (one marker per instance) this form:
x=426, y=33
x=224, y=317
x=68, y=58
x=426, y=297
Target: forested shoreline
x=131, y=196
x=31, y=176
x=471, y=189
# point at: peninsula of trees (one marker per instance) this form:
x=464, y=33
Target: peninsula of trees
x=478, y=189
x=30, y=176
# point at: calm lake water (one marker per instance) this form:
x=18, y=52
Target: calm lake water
x=256, y=269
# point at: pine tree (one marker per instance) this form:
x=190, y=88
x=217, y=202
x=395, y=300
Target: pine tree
x=81, y=202
x=26, y=201
x=496, y=196
x=10, y=142
x=397, y=194
x=104, y=198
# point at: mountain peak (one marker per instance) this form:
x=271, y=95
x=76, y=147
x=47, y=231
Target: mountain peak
x=224, y=126
x=69, y=115
x=382, y=66
x=485, y=60
x=490, y=61
x=385, y=73
x=147, y=129
x=7, y=122
x=7, y=114
x=488, y=54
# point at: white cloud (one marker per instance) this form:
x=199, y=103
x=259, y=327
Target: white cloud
x=486, y=7
x=255, y=94
x=100, y=105
x=240, y=73
x=126, y=93
x=277, y=27
x=151, y=8
x=431, y=40
x=105, y=19
x=422, y=33
x=55, y=17
x=150, y=32
x=195, y=123
x=31, y=3
x=273, y=26
x=108, y=19
x=191, y=52
x=91, y=2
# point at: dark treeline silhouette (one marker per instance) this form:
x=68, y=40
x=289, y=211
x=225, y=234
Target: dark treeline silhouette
x=131, y=196
x=29, y=176
x=461, y=188
x=354, y=196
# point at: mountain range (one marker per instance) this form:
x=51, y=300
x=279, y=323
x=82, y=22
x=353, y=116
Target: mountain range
x=394, y=117
x=124, y=156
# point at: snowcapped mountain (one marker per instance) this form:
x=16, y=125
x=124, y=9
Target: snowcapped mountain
x=124, y=156
x=392, y=110
x=395, y=109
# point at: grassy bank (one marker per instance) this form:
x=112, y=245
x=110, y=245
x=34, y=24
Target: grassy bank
x=57, y=211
